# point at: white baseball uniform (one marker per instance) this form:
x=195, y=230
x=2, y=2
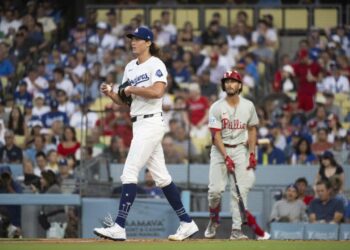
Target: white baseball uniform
x=148, y=132
x=233, y=123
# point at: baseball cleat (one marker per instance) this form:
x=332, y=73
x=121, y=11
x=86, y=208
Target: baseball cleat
x=210, y=232
x=266, y=236
x=237, y=234
x=185, y=230
x=114, y=232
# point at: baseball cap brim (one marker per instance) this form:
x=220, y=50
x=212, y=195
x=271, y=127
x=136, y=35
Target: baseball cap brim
x=131, y=35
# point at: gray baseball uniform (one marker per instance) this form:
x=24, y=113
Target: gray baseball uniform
x=233, y=123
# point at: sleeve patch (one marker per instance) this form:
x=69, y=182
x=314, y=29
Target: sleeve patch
x=159, y=73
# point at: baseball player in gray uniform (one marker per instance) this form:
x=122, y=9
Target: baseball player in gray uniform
x=144, y=84
x=232, y=122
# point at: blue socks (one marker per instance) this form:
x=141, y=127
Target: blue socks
x=126, y=201
x=172, y=194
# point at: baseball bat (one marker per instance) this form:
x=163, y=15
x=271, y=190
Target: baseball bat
x=240, y=201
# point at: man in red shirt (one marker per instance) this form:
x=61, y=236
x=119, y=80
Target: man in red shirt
x=198, y=106
x=307, y=73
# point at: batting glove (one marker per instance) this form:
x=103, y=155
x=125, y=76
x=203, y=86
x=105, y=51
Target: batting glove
x=252, y=162
x=230, y=165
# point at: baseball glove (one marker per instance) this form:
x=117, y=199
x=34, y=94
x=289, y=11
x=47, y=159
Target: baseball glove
x=121, y=93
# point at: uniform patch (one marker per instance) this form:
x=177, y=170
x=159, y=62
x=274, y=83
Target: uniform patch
x=212, y=120
x=159, y=73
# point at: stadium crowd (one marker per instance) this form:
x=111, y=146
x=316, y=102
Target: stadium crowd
x=50, y=98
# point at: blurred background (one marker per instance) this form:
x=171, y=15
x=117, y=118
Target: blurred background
x=59, y=135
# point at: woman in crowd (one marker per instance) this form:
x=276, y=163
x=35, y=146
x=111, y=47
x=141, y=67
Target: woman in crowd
x=328, y=168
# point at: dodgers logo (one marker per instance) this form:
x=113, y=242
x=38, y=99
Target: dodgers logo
x=159, y=73
x=139, y=79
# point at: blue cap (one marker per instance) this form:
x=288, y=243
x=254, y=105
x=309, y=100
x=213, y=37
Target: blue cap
x=142, y=33
x=53, y=103
x=328, y=154
x=5, y=169
x=81, y=20
x=62, y=162
x=22, y=83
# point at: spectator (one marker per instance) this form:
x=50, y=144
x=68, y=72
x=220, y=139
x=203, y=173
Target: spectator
x=64, y=104
x=336, y=82
x=328, y=168
x=75, y=68
x=321, y=144
x=161, y=36
x=179, y=72
x=303, y=154
x=22, y=96
x=103, y=39
x=9, y=186
x=331, y=108
x=264, y=31
x=212, y=35
x=10, y=152
x=116, y=152
x=61, y=82
x=304, y=191
x=269, y=154
x=325, y=208
x=291, y=147
x=78, y=35
x=236, y=37
x=216, y=70
x=198, y=107
x=7, y=69
x=8, y=23
x=185, y=146
x=54, y=115
x=186, y=36
x=151, y=190
x=207, y=88
x=307, y=73
x=84, y=119
x=69, y=144
x=55, y=214
x=39, y=146
x=41, y=163
x=166, y=23
x=52, y=160
x=290, y=208
x=35, y=82
x=16, y=121
x=341, y=154
x=64, y=172
x=39, y=108
x=172, y=154
x=276, y=132
x=117, y=29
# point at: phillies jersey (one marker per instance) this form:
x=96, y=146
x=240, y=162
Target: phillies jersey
x=233, y=121
x=144, y=75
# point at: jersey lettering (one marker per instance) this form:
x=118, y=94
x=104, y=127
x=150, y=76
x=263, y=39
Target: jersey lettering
x=137, y=80
x=236, y=124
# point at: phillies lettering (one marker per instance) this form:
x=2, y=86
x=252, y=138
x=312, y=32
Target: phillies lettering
x=236, y=124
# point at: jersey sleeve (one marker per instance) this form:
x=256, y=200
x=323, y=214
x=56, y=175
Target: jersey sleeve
x=214, y=117
x=253, y=119
x=159, y=73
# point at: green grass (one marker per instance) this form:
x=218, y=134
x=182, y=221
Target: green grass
x=167, y=245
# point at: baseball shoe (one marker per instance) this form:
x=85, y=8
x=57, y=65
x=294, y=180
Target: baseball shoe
x=237, y=234
x=210, y=232
x=185, y=230
x=266, y=236
x=114, y=232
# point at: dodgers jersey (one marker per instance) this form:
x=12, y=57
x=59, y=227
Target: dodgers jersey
x=233, y=121
x=144, y=75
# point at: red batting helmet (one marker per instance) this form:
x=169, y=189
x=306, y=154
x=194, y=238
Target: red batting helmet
x=230, y=75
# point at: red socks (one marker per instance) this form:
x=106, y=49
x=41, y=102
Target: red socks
x=214, y=213
x=252, y=223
